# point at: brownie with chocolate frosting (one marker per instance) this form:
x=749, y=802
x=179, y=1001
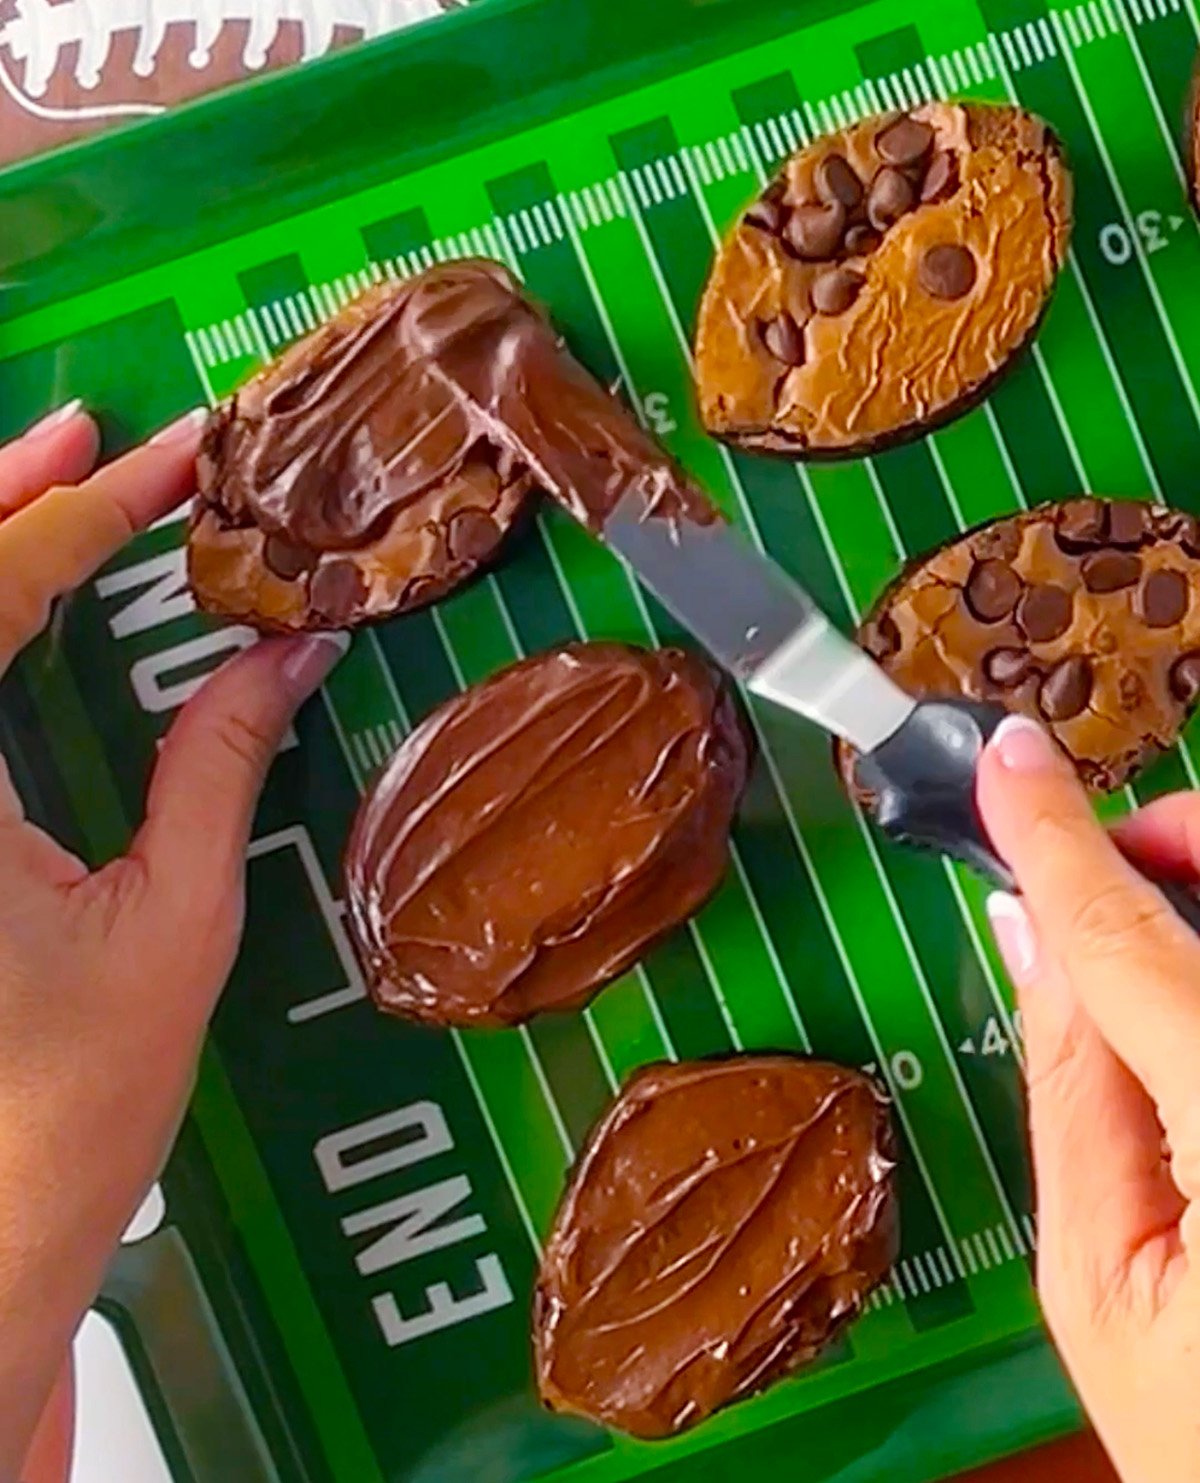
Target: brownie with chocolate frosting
x=383, y=459
x=883, y=280
x=1084, y=615
x=726, y=1219
x=535, y=834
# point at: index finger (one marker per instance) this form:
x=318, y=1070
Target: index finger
x=1165, y=835
x=56, y=543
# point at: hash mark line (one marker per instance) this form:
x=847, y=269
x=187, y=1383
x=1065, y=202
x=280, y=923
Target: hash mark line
x=945, y=1261
x=239, y=323
x=205, y=344
x=296, y=322
x=1006, y=1244
x=252, y=318
x=964, y=77
x=969, y=1256
x=993, y=1248
x=981, y=1251
x=1085, y=25
x=924, y=72
x=222, y=341
x=283, y=330
x=201, y=370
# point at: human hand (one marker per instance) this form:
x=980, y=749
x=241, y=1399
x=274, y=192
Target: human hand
x=1109, y=983
x=108, y=978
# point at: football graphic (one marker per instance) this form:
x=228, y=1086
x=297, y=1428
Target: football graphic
x=71, y=66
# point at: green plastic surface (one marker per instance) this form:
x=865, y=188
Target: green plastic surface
x=598, y=146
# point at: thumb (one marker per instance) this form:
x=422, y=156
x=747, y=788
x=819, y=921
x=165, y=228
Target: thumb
x=215, y=759
x=1132, y=963
x=1103, y=1190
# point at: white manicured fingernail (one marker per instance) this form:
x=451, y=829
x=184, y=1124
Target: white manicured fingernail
x=1014, y=934
x=312, y=659
x=183, y=427
x=54, y=420
x=1023, y=746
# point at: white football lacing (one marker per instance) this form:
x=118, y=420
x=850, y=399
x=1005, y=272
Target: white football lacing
x=39, y=32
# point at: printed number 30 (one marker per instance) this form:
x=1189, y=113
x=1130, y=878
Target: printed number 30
x=1116, y=242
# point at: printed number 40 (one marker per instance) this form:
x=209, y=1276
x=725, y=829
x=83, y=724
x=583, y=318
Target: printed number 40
x=1116, y=241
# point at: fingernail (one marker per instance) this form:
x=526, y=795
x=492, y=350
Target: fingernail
x=311, y=660
x=183, y=427
x=54, y=420
x=1023, y=746
x=1013, y=931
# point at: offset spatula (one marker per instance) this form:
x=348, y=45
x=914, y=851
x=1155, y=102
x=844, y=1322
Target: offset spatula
x=917, y=758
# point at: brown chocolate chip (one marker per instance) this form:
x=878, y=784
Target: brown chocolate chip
x=766, y=214
x=784, y=339
x=814, y=231
x=941, y=179
x=835, y=289
x=1066, y=689
x=890, y=197
x=472, y=535
x=1110, y=571
x=1081, y=524
x=904, y=142
x=1163, y=599
x=836, y=181
x=1044, y=613
x=861, y=239
x=1185, y=678
x=336, y=591
x=288, y=559
x=1007, y=667
x=1128, y=523
x=992, y=590
x=947, y=271
x=882, y=637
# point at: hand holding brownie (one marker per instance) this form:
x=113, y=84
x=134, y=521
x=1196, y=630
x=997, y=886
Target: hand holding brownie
x=1107, y=976
x=107, y=977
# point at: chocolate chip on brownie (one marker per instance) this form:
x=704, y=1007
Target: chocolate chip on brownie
x=1085, y=615
x=953, y=218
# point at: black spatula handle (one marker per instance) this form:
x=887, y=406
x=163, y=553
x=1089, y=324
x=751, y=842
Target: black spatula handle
x=922, y=783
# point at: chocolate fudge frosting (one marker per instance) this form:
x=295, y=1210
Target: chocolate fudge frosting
x=883, y=279
x=535, y=834
x=1084, y=615
x=382, y=460
x=726, y=1219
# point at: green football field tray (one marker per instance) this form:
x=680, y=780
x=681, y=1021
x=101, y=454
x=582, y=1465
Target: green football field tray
x=340, y=1288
